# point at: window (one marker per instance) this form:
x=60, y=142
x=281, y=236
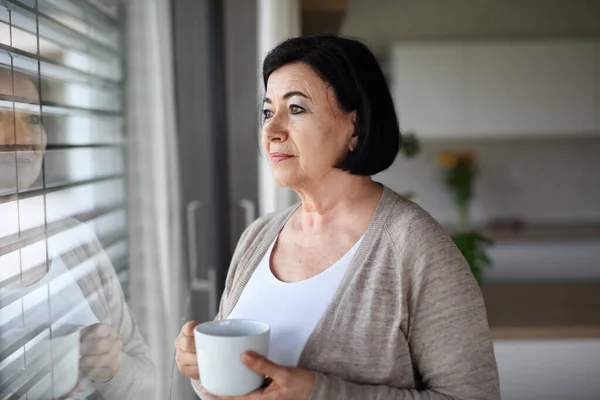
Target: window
x=62, y=188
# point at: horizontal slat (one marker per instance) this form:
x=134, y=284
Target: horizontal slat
x=104, y=8
x=26, y=105
x=82, y=146
x=50, y=28
x=84, y=130
x=53, y=147
x=39, y=192
x=49, y=106
x=25, y=238
x=97, y=25
x=99, y=162
x=55, y=69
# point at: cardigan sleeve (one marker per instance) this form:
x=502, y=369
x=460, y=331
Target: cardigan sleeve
x=136, y=376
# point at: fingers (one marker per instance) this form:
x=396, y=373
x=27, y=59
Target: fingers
x=187, y=364
x=186, y=344
x=188, y=328
x=97, y=331
x=100, y=349
x=263, y=366
x=100, y=367
x=98, y=346
x=108, y=358
x=185, y=351
x=98, y=374
x=89, y=364
x=186, y=359
x=190, y=371
x=256, y=395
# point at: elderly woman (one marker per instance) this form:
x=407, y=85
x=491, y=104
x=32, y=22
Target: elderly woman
x=366, y=295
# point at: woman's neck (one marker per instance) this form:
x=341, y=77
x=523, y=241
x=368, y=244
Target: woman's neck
x=342, y=196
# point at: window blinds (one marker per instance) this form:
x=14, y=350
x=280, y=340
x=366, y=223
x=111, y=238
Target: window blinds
x=62, y=171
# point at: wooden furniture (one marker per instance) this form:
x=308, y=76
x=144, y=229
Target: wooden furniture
x=538, y=233
x=543, y=310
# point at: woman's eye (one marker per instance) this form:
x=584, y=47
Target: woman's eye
x=33, y=119
x=296, y=109
x=267, y=114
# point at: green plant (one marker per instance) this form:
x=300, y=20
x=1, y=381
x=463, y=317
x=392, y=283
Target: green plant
x=460, y=171
x=411, y=146
x=473, y=247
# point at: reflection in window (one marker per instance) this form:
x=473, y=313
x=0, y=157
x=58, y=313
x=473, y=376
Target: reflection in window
x=64, y=272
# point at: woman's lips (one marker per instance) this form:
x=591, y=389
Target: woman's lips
x=279, y=157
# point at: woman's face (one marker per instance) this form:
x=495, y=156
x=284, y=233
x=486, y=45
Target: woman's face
x=22, y=137
x=305, y=133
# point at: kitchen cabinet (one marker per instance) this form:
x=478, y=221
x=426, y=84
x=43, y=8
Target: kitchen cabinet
x=546, y=310
x=426, y=85
x=497, y=89
x=530, y=89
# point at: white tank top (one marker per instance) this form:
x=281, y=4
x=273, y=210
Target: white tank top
x=292, y=309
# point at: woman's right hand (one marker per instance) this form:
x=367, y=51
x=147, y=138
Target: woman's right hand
x=185, y=351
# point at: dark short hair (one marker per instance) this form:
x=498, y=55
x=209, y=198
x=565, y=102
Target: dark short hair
x=359, y=85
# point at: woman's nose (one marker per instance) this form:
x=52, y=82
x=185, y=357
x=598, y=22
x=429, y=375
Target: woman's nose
x=275, y=129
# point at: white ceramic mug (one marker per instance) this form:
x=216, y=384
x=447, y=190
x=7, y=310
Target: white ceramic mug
x=57, y=353
x=65, y=359
x=220, y=346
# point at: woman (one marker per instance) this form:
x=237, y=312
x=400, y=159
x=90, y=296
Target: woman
x=367, y=296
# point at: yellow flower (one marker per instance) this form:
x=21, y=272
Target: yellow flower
x=447, y=159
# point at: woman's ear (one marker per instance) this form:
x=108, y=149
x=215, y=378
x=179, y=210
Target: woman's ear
x=354, y=130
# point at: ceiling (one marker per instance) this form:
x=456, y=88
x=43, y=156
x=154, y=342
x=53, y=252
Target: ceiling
x=382, y=22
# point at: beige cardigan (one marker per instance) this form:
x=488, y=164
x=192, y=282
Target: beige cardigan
x=407, y=321
x=136, y=376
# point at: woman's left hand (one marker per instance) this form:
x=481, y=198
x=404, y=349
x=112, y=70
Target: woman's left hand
x=100, y=352
x=286, y=383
